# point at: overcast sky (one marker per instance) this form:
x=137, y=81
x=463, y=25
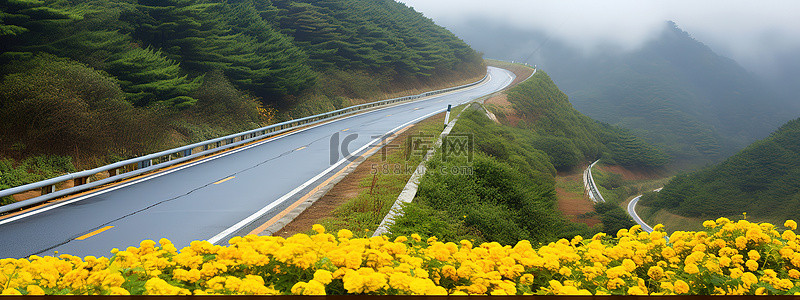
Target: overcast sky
x=752, y=32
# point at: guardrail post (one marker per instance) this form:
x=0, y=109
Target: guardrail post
x=144, y=164
x=48, y=189
x=80, y=181
x=113, y=172
x=187, y=152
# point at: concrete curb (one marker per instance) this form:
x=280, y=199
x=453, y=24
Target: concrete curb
x=410, y=190
x=289, y=217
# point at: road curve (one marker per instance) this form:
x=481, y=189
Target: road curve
x=635, y=217
x=221, y=196
x=590, y=186
x=594, y=194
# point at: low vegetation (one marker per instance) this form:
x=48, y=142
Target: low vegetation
x=569, y=137
x=504, y=189
x=728, y=258
x=761, y=181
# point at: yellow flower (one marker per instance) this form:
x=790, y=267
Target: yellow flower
x=345, y=234
x=751, y=265
x=794, y=274
x=791, y=224
x=34, y=290
x=709, y=224
x=754, y=255
x=784, y=284
x=691, y=269
x=314, y=288
x=318, y=228
x=749, y=279
x=323, y=276
x=10, y=292
x=118, y=291
x=655, y=272
x=526, y=279
x=761, y=291
x=635, y=290
x=681, y=287
x=416, y=237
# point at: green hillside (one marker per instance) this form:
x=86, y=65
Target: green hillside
x=506, y=192
x=571, y=138
x=102, y=80
x=761, y=180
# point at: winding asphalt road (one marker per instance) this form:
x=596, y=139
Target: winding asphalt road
x=635, y=216
x=221, y=196
x=589, y=184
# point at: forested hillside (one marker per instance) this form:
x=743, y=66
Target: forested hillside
x=571, y=138
x=674, y=91
x=761, y=180
x=506, y=192
x=94, y=81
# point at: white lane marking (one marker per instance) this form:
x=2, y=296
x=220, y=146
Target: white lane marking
x=57, y=205
x=236, y=227
x=153, y=176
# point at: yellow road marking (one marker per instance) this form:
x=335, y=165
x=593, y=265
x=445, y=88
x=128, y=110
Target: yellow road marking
x=93, y=233
x=346, y=129
x=226, y=179
x=317, y=188
x=418, y=108
x=140, y=176
x=388, y=115
x=301, y=148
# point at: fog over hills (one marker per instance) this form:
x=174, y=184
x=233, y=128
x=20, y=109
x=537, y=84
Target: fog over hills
x=622, y=63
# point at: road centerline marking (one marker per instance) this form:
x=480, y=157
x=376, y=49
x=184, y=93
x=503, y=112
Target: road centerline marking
x=226, y=179
x=93, y=233
x=301, y=148
x=305, y=197
x=346, y=129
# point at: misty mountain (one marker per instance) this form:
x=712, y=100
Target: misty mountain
x=674, y=91
x=760, y=180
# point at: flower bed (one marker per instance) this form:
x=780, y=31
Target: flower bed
x=728, y=258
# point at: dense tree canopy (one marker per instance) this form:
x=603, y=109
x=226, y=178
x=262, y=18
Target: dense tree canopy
x=760, y=180
x=159, y=51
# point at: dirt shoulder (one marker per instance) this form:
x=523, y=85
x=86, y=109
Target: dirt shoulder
x=359, y=182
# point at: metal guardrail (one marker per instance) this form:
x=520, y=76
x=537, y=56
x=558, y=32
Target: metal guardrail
x=595, y=194
x=148, y=163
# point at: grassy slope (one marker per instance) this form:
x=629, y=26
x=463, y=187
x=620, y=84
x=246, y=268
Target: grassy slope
x=760, y=180
x=510, y=194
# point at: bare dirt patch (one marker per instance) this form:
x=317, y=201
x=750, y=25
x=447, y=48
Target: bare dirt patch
x=500, y=102
x=349, y=187
x=574, y=205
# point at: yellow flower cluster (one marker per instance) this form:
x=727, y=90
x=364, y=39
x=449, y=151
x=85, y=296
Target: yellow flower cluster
x=730, y=258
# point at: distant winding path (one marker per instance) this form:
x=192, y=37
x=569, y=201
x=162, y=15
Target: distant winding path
x=635, y=216
x=595, y=196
